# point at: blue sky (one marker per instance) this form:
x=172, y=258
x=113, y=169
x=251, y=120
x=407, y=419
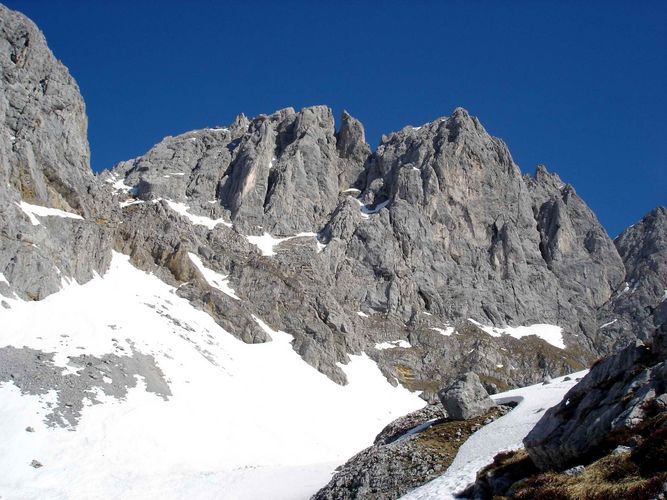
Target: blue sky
x=578, y=86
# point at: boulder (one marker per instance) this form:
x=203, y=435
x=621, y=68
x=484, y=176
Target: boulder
x=466, y=398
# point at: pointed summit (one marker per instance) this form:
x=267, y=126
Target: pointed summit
x=351, y=138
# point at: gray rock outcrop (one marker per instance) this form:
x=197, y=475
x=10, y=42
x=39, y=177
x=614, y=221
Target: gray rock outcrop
x=465, y=398
x=45, y=163
x=616, y=395
x=639, y=305
x=280, y=173
x=34, y=372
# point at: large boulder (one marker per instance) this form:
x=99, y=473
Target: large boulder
x=466, y=398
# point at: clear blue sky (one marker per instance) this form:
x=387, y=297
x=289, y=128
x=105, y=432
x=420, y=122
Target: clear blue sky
x=579, y=86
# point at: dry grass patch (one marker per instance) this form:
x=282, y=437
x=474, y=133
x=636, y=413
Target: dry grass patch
x=637, y=475
x=447, y=437
x=612, y=477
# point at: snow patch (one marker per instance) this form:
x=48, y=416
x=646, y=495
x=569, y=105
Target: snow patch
x=444, y=331
x=216, y=280
x=128, y=203
x=267, y=243
x=211, y=438
x=552, y=334
x=393, y=344
x=608, y=324
x=367, y=210
x=199, y=220
x=119, y=185
x=32, y=210
x=362, y=314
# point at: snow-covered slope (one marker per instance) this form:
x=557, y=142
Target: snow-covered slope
x=206, y=417
x=504, y=434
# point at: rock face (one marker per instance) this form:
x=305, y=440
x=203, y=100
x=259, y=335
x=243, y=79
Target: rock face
x=639, y=305
x=435, y=227
x=659, y=345
x=575, y=249
x=435, y=239
x=281, y=173
x=461, y=217
x=45, y=163
x=616, y=395
x=466, y=398
x=40, y=103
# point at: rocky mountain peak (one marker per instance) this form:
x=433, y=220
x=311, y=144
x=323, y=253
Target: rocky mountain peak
x=445, y=158
x=439, y=208
x=41, y=101
x=351, y=139
x=240, y=122
x=460, y=122
x=544, y=177
x=280, y=173
x=650, y=233
x=639, y=304
x=426, y=259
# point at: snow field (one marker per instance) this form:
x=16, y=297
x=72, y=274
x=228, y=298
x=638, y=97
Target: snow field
x=239, y=414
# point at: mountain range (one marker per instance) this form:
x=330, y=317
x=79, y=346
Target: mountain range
x=219, y=272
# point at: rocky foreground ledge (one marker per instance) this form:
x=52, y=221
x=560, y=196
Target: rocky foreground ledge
x=418, y=447
x=606, y=439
